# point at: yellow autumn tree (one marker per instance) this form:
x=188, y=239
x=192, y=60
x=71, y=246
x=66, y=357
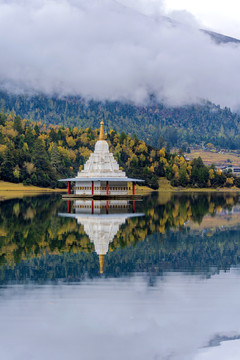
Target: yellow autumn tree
x=162, y=152
x=229, y=181
x=70, y=141
x=211, y=174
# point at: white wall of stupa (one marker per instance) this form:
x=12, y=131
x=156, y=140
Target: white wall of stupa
x=101, y=164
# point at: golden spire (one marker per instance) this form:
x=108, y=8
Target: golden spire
x=101, y=261
x=101, y=135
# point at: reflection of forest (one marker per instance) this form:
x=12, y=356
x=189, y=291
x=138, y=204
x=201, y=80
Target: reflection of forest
x=31, y=230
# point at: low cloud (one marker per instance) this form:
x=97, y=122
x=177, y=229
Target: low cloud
x=114, y=50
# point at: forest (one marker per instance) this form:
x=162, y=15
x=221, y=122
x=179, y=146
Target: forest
x=156, y=124
x=37, y=154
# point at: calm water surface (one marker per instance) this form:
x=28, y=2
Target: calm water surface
x=154, y=279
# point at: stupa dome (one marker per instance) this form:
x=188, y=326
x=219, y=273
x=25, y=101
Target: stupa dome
x=101, y=146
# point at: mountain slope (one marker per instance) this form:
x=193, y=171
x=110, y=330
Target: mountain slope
x=180, y=126
x=220, y=38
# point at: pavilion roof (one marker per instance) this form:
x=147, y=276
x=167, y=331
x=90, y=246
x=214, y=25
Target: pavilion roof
x=101, y=216
x=86, y=179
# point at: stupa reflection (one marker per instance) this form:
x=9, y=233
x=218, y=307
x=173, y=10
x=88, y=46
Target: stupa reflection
x=101, y=220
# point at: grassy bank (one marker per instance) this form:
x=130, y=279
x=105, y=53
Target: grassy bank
x=10, y=190
x=143, y=190
x=165, y=185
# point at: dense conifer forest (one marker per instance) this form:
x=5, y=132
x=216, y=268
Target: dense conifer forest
x=36, y=154
x=156, y=124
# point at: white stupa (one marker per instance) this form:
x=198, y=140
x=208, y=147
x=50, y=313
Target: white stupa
x=101, y=162
x=101, y=174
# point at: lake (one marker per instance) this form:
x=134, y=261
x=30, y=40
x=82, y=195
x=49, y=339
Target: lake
x=152, y=279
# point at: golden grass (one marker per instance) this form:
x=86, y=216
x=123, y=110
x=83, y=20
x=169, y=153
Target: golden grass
x=143, y=189
x=7, y=186
x=210, y=157
x=11, y=191
x=165, y=185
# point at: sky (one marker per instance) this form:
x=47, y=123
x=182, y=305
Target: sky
x=220, y=15
x=121, y=50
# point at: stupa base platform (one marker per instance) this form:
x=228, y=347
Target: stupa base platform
x=101, y=197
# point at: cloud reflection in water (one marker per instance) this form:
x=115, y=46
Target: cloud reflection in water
x=115, y=319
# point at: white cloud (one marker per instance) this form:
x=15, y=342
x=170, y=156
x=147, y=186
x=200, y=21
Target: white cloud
x=108, y=50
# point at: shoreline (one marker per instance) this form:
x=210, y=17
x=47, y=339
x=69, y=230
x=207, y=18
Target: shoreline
x=141, y=190
x=13, y=191
x=200, y=190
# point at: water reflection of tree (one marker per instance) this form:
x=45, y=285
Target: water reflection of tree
x=30, y=228
x=178, y=210
x=177, y=251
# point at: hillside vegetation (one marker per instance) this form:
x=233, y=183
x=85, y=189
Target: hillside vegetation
x=156, y=124
x=39, y=155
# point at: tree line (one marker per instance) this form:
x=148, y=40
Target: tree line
x=37, y=154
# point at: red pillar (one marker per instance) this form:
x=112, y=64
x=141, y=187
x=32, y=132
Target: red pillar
x=133, y=188
x=133, y=206
x=69, y=187
x=69, y=206
x=107, y=188
x=92, y=188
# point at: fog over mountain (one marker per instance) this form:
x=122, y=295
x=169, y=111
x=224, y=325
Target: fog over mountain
x=116, y=51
